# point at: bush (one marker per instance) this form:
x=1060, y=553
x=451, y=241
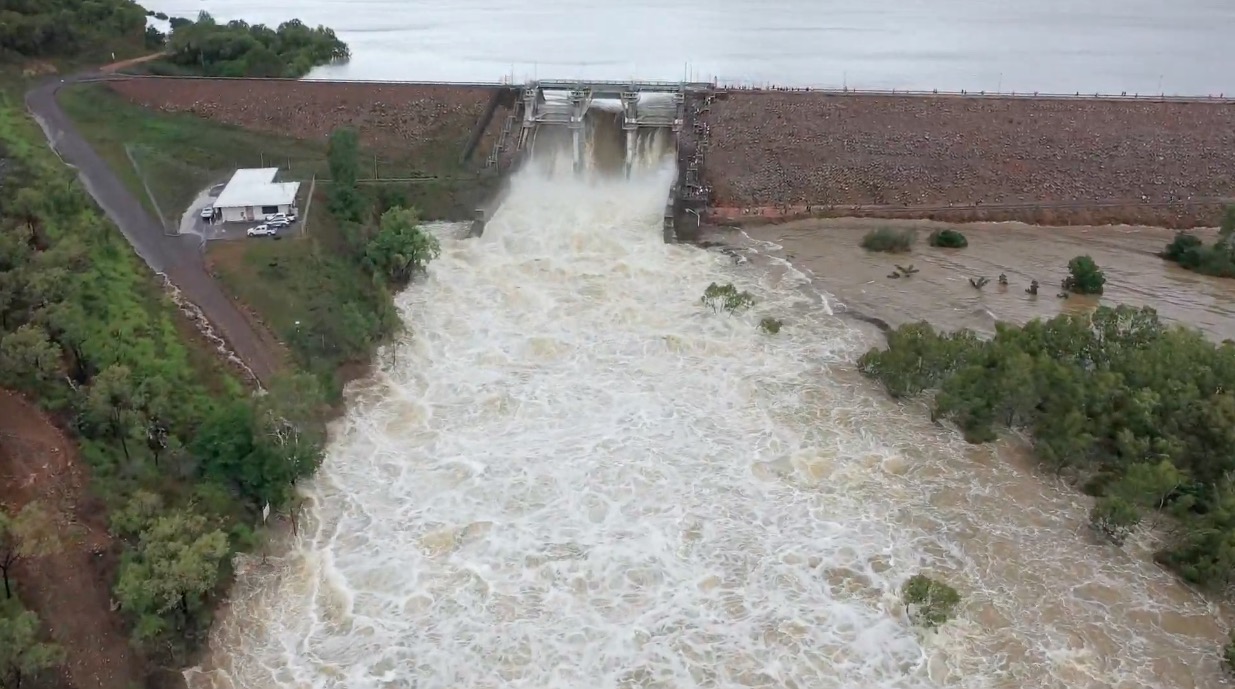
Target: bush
x=1228, y=654
x=770, y=325
x=948, y=239
x=726, y=297
x=929, y=603
x=1084, y=276
x=888, y=240
x=1191, y=253
x=1114, y=518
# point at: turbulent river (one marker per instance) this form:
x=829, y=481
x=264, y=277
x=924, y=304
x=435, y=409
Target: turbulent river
x=570, y=474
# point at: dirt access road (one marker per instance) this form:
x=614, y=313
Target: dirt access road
x=179, y=258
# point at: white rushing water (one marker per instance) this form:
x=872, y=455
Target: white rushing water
x=575, y=476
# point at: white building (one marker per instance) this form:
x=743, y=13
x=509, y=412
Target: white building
x=252, y=194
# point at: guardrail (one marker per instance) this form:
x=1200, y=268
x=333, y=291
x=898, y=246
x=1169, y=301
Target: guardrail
x=934, y=93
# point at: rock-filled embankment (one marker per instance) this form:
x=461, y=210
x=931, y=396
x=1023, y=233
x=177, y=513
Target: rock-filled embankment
x=430, y=122
x=1072, y=159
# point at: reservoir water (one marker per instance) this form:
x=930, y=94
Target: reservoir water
x=1065, y=46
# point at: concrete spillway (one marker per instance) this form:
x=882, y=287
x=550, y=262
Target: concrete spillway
x=608, y=127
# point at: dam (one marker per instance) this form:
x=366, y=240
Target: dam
x=642, y=111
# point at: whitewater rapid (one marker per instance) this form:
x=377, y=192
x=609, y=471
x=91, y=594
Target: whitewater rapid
x=569, y=474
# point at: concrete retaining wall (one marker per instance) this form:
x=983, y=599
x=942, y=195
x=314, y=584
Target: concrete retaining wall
x=502, y=98
x=487, y=210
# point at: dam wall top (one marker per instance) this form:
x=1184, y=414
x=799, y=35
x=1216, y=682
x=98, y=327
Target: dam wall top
x=719, y=87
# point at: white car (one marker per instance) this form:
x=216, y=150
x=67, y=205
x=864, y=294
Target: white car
x=278, y=222
x=286, y=217
x=262, y=231
x=208, y=213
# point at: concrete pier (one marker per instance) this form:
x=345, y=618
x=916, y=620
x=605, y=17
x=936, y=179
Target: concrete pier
x=580, y=100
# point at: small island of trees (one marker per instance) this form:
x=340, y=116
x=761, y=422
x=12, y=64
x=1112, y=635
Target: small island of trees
x=1217, y=259
x=238, y=49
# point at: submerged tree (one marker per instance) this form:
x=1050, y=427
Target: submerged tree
x=1084, y=276
x=929, y=602
x=726, y=297
x=401, y=248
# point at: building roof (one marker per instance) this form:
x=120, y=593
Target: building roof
x=256, y=187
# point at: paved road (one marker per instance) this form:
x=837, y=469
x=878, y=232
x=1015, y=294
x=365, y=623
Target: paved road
x=178, y=258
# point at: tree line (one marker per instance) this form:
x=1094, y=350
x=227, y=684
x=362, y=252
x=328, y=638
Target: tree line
x=68, y=28
x=240, y=49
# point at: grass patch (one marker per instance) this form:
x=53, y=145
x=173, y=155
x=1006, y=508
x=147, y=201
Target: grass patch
x=179, y=155
x=311, y=292
x=888, y=240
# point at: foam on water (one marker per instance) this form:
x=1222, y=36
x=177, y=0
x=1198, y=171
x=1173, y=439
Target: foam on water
x=574, y=476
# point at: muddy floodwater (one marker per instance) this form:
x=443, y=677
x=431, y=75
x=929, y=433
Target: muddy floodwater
x=941, y=292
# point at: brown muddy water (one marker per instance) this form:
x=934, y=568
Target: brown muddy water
x=574, y=475
x=941, y=293
x=997, y=498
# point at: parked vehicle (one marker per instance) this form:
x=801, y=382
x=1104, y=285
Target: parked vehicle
x=208, y=213
x=289, y=217
x=278, y=222
x=263, y=230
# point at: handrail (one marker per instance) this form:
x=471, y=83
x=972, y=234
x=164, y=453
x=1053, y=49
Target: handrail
x=991, y=95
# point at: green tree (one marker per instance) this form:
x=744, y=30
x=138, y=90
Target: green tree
x=1084, y=276
x=929, y=602
x=112, y=405
x=343, y=157
x=727, y=298
x=22, y=654
x=260, y=449
x=166, y=579
x=401, y=248
x=29, y=533
x=28, y=359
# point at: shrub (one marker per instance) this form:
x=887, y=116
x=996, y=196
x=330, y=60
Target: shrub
x=1228, y=654
x=948, y=239
x=1114, y=518
x=1192, y=254
x=726, y=297
x=770, y=325
x=888, y=240
x=1084, y=276
x=929, y=603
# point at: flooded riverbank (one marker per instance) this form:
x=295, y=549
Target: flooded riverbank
x=941, y=293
